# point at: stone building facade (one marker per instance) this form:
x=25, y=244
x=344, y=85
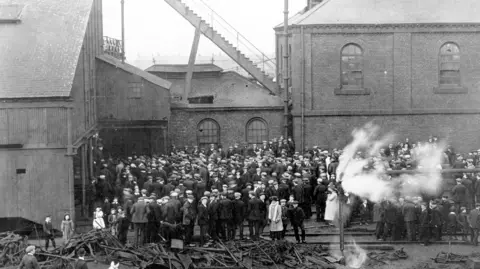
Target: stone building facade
x=398, y=64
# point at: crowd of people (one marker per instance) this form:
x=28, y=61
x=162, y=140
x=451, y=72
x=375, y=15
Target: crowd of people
x=163, y=197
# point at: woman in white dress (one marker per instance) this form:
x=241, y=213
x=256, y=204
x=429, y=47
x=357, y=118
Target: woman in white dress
x=275, y=219
x=98, y=222
x=331, y=207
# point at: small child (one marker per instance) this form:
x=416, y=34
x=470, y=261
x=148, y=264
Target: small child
x=98, y=222
x=285, y=219
x=112, y=221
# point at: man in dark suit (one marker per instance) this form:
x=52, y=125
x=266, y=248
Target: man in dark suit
x=254, y=216
x=212, y=209
x=410, y=217
x=390, y=220
x=297, y=216
x=49, y=232
x=459, y=194
x=424, y=223
x=238, y=215
x=188, y=220
x=203, y=219
x=225, y=215
x=474, y=222
x=436, y=221
x=320, y=196
x=139, y=213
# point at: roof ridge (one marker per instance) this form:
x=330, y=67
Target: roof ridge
x=311, y=11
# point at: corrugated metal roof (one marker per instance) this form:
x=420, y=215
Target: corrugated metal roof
x=391, y=12
x=136, y=71
x=182, y=68
x=39, y=55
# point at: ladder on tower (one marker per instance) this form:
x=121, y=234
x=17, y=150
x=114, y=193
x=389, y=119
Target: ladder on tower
x=257, y=67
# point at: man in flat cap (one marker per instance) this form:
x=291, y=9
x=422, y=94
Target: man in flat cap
x=203, y=219
x=473, y=220
x=188, y=218
x=239, y=209
x=29, y=261
x=297, y=216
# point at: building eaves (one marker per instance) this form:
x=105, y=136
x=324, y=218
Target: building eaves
x=135, y=71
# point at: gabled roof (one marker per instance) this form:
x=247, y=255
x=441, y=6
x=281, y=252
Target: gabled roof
x=348, y=12
x=38, y=55
x=182, y=68
x=135, y=70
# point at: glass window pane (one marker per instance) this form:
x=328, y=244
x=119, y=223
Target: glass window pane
x=257, y=132
x=208, y=133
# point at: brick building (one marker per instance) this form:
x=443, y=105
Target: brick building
x=413, y=67
x=221, y=108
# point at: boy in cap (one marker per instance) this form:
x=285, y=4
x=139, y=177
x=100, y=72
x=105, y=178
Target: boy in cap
x=49, y=232
x=29, y=261
x=473, y=220
x=239, y=211
x=80, y=263
x=297, y=216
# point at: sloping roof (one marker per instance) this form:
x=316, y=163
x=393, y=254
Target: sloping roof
x=38, y=56
x=182, y=68
x=136, y=71
x=391, y=12
x=230, y=89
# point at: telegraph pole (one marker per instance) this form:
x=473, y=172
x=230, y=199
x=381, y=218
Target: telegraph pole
x=123, y=30
x=285, y=70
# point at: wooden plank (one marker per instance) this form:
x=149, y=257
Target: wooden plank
x=4, y=126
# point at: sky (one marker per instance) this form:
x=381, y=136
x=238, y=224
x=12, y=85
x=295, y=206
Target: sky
x=152, y=27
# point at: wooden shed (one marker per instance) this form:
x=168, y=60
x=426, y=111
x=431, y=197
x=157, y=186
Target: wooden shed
x=47, y=88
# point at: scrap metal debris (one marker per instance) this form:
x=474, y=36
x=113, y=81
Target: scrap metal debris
x=102, y=247
x=380, y=258
x=446, y=257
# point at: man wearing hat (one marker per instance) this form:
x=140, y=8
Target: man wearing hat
x=203, y=219
x=254, y=216
x=139, y=213
x=239, y=209
x=473, y=220
x=214, y=225
x=188, y=220
x=81, y=263
x=29, y=261
x=459, y=194
x=225, y=216
x=424, y=223
x=297, y=216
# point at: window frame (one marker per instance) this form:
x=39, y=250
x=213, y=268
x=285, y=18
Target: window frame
x=249, y=123
x=203, y=121
x=352, y=89
x=447, y=88
x=132, y=87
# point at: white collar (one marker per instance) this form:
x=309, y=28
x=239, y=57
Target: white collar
x=81, y=258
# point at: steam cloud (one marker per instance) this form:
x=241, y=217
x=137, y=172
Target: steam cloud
x=375, y=184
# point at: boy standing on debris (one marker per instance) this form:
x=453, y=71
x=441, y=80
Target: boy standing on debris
x=49, y=232
x=297, y=216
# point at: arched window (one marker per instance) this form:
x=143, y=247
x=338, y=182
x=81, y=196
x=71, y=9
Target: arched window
x=352, y=66
x=449, y=64
x=257, y=131
x=208, y=132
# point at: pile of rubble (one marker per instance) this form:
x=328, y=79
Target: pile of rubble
x=382, y=258
x=102, y=247
x=12, y=248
